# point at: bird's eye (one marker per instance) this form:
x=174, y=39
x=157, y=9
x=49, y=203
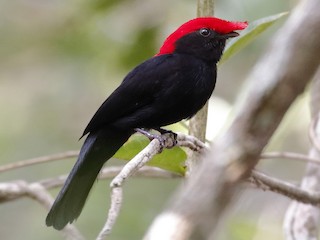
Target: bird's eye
x=205, y=32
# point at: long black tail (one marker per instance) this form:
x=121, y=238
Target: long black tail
x=96, y=150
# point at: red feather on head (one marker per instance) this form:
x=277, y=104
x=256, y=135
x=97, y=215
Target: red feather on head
x=216, y=24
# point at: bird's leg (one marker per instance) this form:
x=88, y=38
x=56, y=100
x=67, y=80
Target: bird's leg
x=151, y=136
x=146, y=133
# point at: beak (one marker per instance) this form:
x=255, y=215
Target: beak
x=230, y=35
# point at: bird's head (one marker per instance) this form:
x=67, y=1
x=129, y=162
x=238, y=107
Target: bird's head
x=204, y=38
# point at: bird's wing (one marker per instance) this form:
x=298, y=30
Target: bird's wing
x=137, y=90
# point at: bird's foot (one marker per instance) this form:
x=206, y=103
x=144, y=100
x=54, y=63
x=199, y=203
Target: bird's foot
x=167, y=139
x=170, y=136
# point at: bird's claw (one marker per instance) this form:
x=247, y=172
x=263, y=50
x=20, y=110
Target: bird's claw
x=167, y=139
x=170, y=135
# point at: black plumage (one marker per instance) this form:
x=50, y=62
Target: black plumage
x=162, y=90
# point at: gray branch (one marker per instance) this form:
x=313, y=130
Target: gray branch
x=198, y=124
x=302, y=220
x=17, y=189
x=278, y=78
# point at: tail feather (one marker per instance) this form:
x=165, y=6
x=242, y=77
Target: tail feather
x=96, y=150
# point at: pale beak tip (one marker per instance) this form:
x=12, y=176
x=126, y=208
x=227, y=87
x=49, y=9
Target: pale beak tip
x=231, y=35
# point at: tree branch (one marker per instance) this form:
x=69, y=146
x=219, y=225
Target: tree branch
x=198, y=124
x=279, y=77
x=43, y=159
x=290, y=155
x=264, y=182
x=128, y=170
x=18, y=189
x=37, y=190
x=302, y=220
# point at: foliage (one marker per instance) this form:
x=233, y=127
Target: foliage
x=250, y=34
x=170, y=159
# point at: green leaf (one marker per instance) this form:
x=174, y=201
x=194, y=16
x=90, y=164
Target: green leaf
x=253, y=30
x=241, y=229
x=170, y=159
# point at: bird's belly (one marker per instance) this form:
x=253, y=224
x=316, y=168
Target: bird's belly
x=165, y=112
x=172, y=110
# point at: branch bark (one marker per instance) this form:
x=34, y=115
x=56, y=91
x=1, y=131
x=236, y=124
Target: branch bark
x=279, y=77
x=198, y=124
x=153, y=148
x=302, y=220
x=37, y=190
x=17, y=189
x=34, y=161
x=267, y=183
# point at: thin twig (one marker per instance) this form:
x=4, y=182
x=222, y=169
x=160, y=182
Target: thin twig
x=116, y=202
x=190, y=142
x=18, y=189
x=10, y=191
x=289, y=190
x=153, y=148
x=315, y=140
x=34, y=161
x=184, y=140
x=111, y=172
x=289, y=155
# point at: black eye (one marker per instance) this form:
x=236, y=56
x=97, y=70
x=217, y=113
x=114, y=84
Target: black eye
x=205, y=32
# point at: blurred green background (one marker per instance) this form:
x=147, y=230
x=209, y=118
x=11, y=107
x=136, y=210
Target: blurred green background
x=60, y=59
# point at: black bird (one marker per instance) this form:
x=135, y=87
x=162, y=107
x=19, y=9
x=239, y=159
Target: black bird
x=171, y=86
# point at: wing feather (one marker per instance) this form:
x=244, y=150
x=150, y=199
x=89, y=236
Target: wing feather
x=137, y=90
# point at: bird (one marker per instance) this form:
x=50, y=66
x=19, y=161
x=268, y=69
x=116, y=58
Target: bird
x=171, y=86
